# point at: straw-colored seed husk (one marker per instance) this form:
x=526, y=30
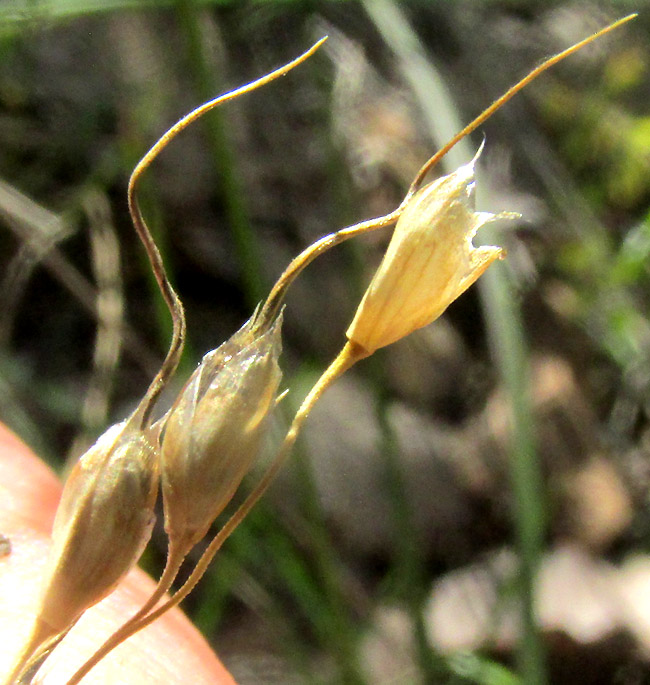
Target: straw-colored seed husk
x=215, y=429
x=430, y=261
x=102, y=524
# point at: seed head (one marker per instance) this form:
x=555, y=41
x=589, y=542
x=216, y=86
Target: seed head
x=215, y=428
x=430, y=261
x=103, y=523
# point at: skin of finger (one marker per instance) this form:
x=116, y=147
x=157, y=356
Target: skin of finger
x=170, y=651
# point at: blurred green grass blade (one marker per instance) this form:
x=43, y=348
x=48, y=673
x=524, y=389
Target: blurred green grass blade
x=608, y=306
x=633, y=259
x=243, y=556
x=313, y=599
x=215, y=589
x=476, y=669
x=341, y=633
x=510, y=351
x=14, y=14
x=405, y=579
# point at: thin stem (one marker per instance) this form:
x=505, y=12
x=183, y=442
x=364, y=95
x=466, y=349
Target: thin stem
x=279, y=290
x=511, y=92
x=174, y=304
x=349, y=355
x=175, y=557
x=39, y=646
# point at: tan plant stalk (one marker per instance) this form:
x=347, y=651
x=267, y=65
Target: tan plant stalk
x=172, y=300
x=348, y=356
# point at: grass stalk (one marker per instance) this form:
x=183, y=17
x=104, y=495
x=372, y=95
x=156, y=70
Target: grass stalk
x=509, y=348
x=407, y=577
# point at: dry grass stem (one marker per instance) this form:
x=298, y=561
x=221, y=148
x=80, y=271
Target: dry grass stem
x=350, y=354
x=171, y=298
x=105, y=250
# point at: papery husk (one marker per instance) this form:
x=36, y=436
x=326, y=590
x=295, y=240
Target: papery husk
x=103, y=523
x=214, y=430
x=430, y=261
x=101, y=527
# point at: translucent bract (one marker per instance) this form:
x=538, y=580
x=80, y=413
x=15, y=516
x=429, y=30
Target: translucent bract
x=430, y=261
x=215, y=428
x=102, y=524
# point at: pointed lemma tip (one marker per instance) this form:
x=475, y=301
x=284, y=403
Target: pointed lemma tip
x=481, y=147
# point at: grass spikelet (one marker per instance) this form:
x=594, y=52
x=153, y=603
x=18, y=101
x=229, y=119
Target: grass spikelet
x=103, y=523
x=215, y=428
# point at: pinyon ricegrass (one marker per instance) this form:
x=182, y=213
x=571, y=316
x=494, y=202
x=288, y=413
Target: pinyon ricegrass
x=204, y=446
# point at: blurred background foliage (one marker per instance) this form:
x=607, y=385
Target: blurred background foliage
x=469, y=506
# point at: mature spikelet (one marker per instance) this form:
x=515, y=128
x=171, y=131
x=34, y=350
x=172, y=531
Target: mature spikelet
x=102, y=524
x=215, y=428
x=430, y=261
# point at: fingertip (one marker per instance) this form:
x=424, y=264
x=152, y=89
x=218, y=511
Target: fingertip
x=29, y=489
